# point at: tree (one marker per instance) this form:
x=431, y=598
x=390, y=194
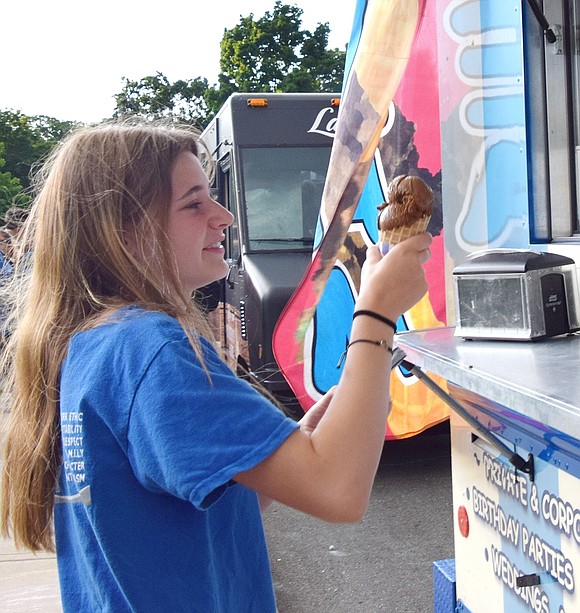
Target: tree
x=272, y=54
x=27, y=139
x=156, y=97
x=324, y=68
x=10, y=187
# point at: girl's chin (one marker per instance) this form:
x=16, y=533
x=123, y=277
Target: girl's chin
x=213, y=279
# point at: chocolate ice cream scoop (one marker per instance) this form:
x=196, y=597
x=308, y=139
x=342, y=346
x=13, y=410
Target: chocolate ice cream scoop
x=409, y=200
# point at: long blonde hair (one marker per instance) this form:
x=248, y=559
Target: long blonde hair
x=73, y=270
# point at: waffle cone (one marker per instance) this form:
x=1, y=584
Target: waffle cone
x=398, y=235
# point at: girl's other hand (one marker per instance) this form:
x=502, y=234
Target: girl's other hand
x=316, y=412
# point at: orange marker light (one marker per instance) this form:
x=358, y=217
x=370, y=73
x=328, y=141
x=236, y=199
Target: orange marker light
x=257, y=102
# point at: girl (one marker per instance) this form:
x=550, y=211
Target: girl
x=128, y=433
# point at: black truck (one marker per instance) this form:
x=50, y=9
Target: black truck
x=271, y=154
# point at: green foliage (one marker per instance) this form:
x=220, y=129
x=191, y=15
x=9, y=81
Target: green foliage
x=10, y=188
x=156, y=97
x=11, y=193
x=272, y=54
x=27, y=139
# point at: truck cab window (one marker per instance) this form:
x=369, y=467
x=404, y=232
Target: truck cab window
x=552, y=77
x=282, y=193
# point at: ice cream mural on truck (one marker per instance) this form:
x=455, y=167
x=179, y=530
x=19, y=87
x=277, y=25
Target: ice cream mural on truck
x=387, y=127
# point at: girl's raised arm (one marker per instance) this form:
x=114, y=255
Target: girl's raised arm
x=328, y=471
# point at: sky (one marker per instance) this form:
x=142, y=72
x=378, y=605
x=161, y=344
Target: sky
x=67, y=58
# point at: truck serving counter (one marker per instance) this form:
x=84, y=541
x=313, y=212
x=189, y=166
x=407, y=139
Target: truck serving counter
x=515, y=469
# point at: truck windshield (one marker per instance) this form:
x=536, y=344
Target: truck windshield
x=282, y=190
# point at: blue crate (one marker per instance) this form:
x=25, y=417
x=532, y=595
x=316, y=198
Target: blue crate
x=444, y=586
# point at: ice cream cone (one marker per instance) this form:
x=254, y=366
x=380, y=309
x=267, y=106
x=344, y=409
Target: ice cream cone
x=398, y=235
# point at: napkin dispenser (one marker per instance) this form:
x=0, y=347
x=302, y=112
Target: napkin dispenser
x=516, y=295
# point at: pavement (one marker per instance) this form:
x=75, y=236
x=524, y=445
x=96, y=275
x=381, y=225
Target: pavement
x=28, y=582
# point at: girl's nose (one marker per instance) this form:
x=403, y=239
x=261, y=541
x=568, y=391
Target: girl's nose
x=221, y=217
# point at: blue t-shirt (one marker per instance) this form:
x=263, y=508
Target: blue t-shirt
x=147, y=517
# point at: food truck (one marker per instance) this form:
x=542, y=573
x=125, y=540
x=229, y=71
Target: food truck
x=508, y=75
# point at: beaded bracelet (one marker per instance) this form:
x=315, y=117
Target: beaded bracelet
x=377, y=316
x=381, y=343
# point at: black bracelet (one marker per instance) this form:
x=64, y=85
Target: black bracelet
x=381, y=343
x=374, y=315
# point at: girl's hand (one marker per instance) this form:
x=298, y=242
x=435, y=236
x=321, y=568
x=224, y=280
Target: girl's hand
x=392, y=284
